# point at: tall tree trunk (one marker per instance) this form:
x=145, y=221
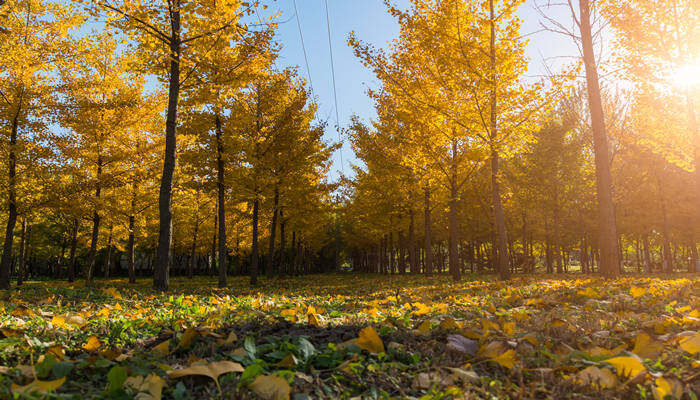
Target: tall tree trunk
x=283, y=244
x=223, y=253
x=212, y=266
x=193, y=249
x=271, y=269
x=557, y=236
x=412, y=243
x=402, y=253
x=455, y=269
x=132, y=235
x=95, y=222
x=22, y=252
x=73, y=245
x=6, y=262
x=108, y=262
x=693, y=267
x=607, y=229
x=428, y=257
x=161, y=276
x=647, y=255
x=254, y=247
x=499, y=217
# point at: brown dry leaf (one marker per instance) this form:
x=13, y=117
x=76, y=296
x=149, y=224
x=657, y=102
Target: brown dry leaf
x=57, y=351
x=38, y=386
x=212, y=370
x=270, y=387
x=150, y=387
x=667, y=387
x=594, y=376
x=288, y=362
x=9, y=332
x=232, y=337
x=690, y=344
x=647, y=347
x=162, y=349
x=368, y=340
x=493, y=349
x=506, y=359
x=466, y=376
x=313, y=320
x=449, y=324
x=187, y=337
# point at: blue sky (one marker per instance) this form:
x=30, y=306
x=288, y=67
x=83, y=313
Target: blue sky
x=371, y=22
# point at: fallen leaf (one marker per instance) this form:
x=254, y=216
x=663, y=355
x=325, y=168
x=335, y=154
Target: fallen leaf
x=646, y=347
x=187, y=337
x=506, y=359
x=467, y=376
x=93, y=344
x=162, y=349
x=637, y=292
x=38, y=386
x=664, y=387
x=690, y=344
x=270, y=387
x=150, y=387
x=212, y=370
x=601, y=377
x=460, y=344
x=627, y=366
x=369, y=340
x=287, y=362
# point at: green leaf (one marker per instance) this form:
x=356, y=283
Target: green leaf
x=116, y=378
x=250, y=373
x=61, y=369
x=306, y=349
x=249, y=347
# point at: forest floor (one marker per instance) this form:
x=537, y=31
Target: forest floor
x=345, y=336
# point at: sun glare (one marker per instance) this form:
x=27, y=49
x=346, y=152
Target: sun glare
x=687, y=76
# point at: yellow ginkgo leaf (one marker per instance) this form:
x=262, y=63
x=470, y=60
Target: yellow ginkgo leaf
x=637, y=292
x=270, y=387
x=59, y=322
x=232, y=337
x=38, y=386
x=506, y=359
x=288, y=361
x=509, y=328
x=691, y=344
x=151, y=387
x=664, y=387
x=187, y=337
x=368, y=340
x=212, y=370
x=601, y=377
x=647, y=347
x=627, y=366
x=449, y=324
x=163, y=348
x=313, y=320
x=93, y=344
x=424, y=327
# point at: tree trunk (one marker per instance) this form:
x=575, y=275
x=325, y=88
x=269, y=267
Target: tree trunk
x=428, y=257
x=132, y=236
x=455, y=269
x=108, y=262
x=6, y=262
x=223, y=253
x=283, y=244
x=607, y=236
x=193, y=249
x=647, y=255
x=254, y=247
x=271, y=269
x=412, y=243
x=73, y=245
x=22, y=252
x=161, y=276
x=212, y=266
x=95, y=223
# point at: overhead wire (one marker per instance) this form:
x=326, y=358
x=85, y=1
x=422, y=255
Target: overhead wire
x=303, y=47
x=335, y=91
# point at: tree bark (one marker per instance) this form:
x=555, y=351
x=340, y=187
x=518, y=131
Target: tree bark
x=412, y=243
x=73, y=245
x=95, y=222
x=193, y=249
x=132, y=236
x=607, y=236
x=647, y=255
x=271, y=269
x=428, y=257
x=223, y=253
x=254, y=247
x=455, y=269
x=283, y=244
x=161, y=276
x=108, y=262
x=22, y=252
x=6, y=262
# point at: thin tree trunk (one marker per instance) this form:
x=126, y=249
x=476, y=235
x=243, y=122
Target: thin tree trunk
x=73, y=245
x=283, y=244
x=223, y=253
x=22, y=252
x=271, y=269
x=412, y=243
x=161, y=277
x=647, y=255
x=428, y=257
x=6, y=262
x=254, y=249
x=212, y=266
x=108, y=262
x=95, y=223
x=132, y=236
x=607, y=236
x=193, y=249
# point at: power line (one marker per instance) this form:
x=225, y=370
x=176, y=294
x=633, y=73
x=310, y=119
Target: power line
x=335, y=92
x=303, y=46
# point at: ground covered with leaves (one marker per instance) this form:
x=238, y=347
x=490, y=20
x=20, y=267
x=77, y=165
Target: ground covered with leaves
x=346, y=336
